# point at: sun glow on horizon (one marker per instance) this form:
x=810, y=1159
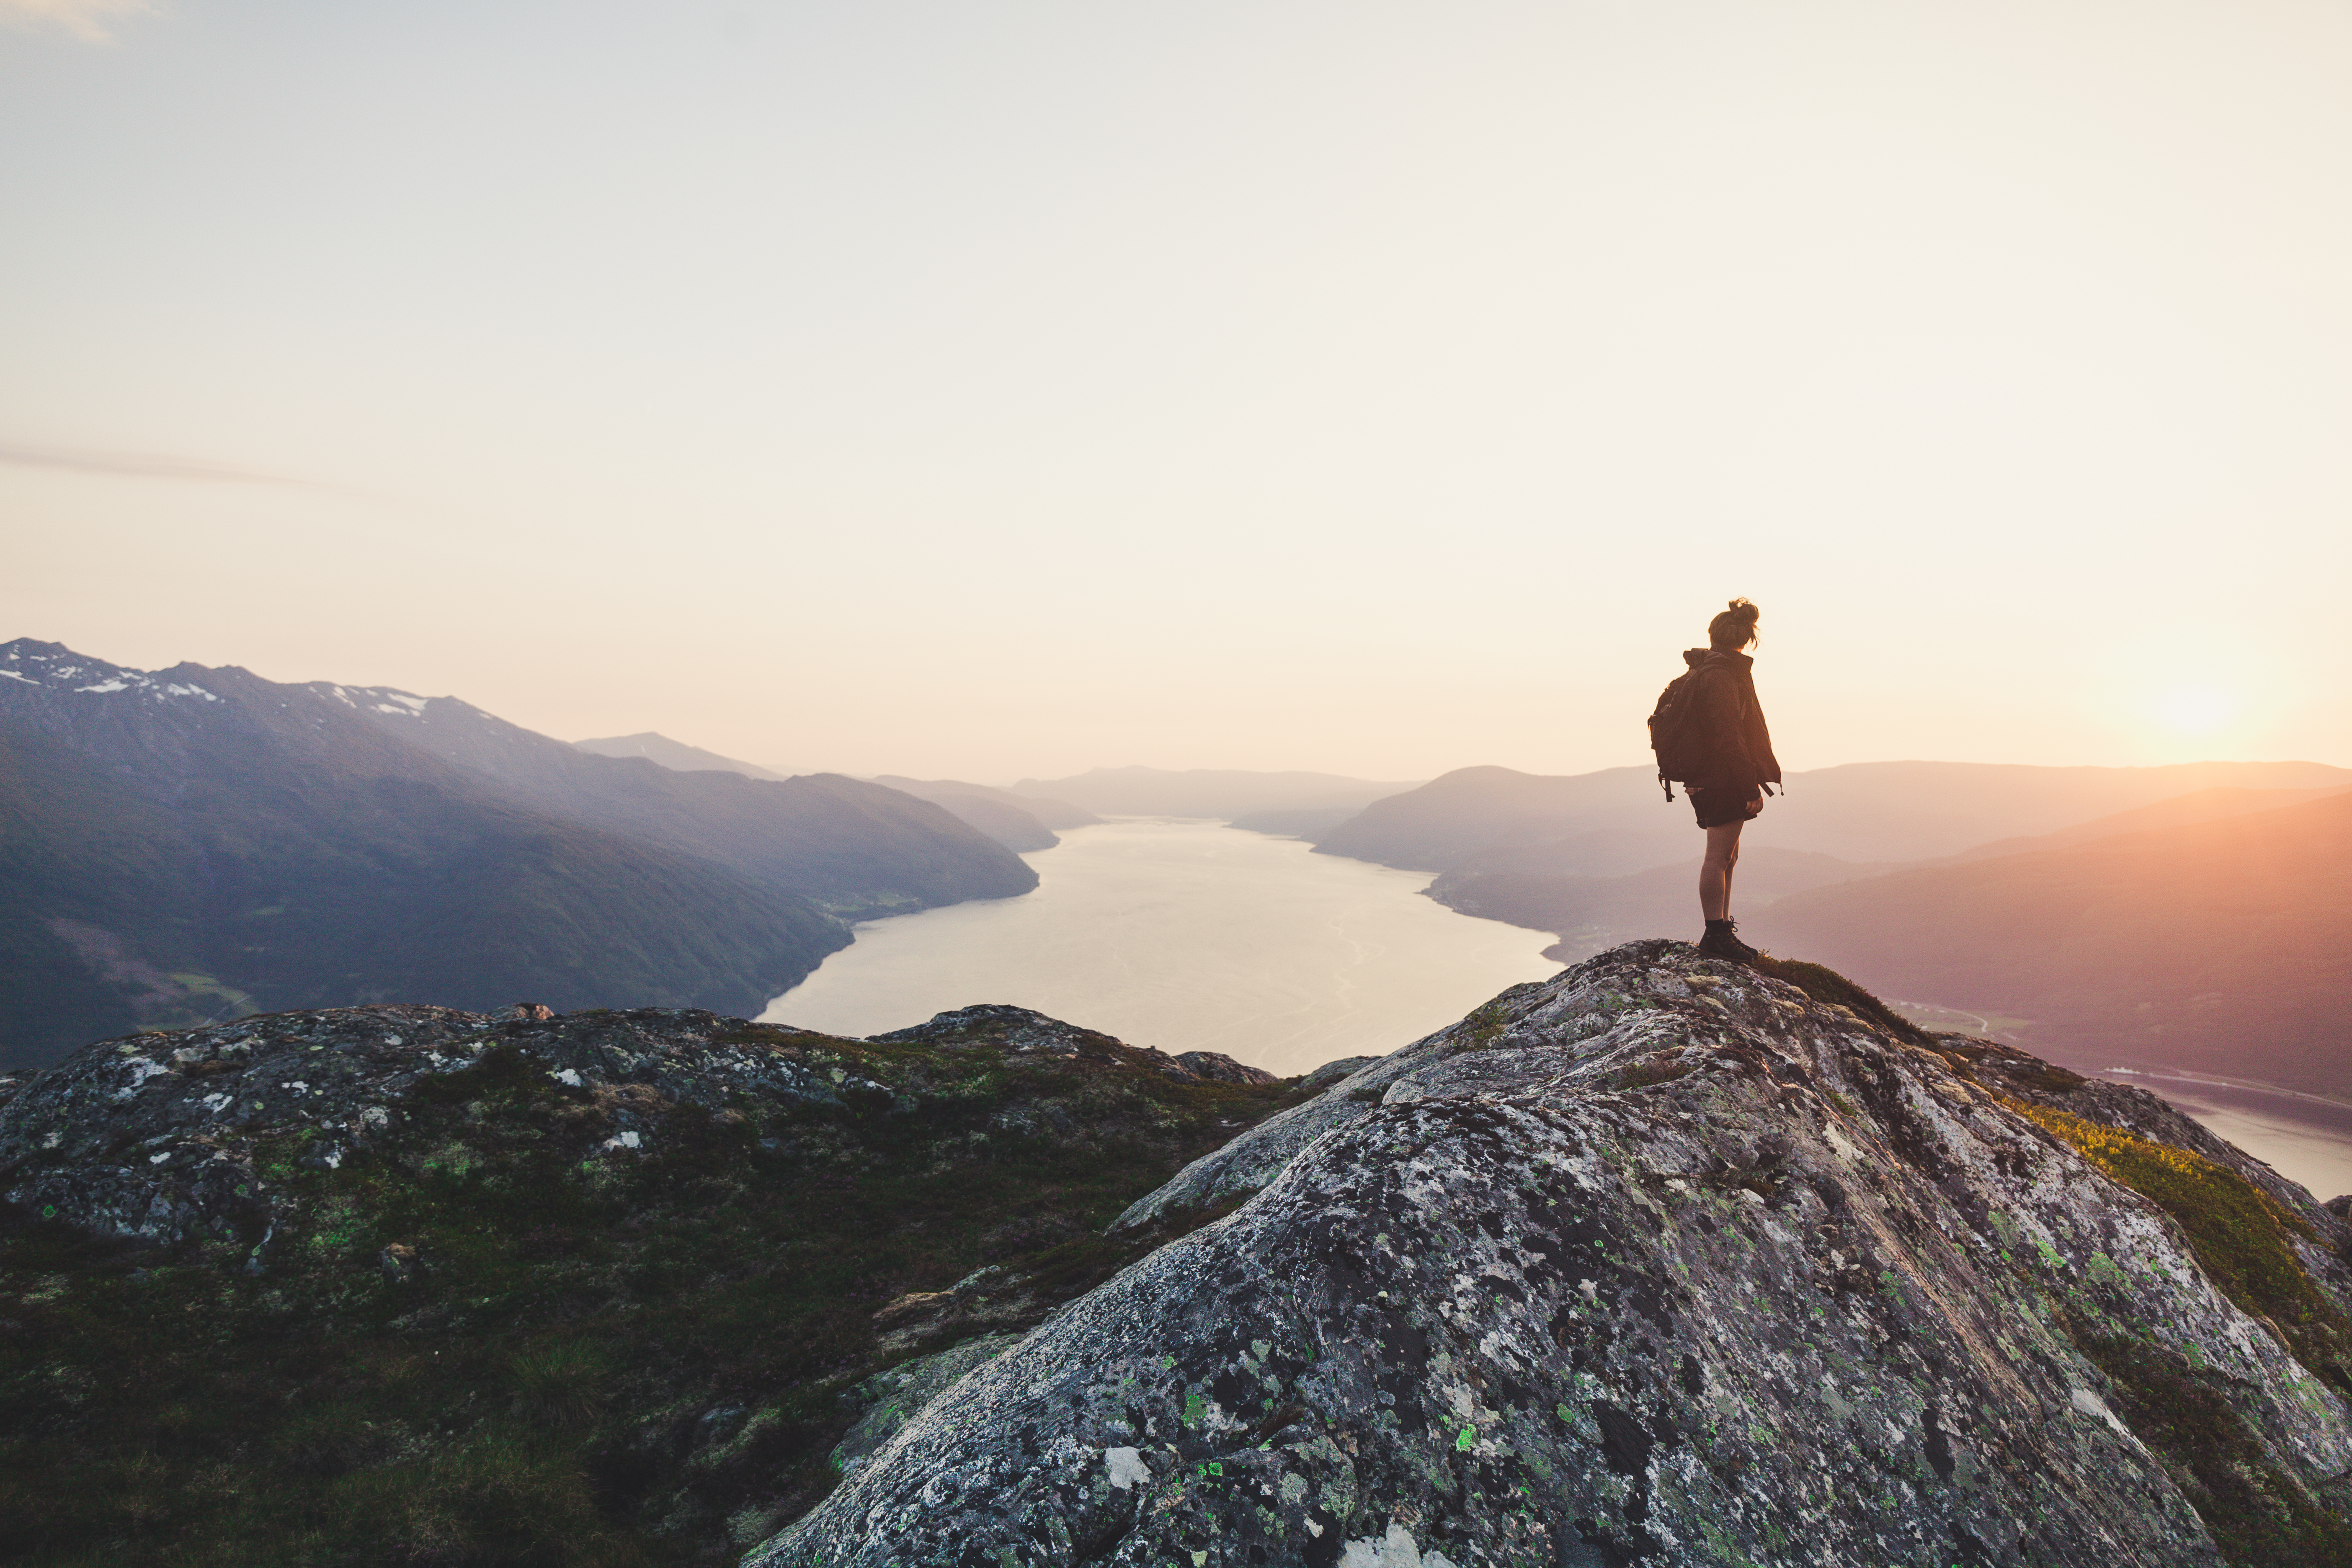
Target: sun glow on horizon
x=2196, y=708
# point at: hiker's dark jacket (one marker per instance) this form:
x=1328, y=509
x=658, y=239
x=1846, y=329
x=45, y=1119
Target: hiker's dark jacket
x=1728, y=734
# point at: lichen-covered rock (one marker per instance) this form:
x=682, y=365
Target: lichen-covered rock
x=140, y=1137
x=1215, y=1066
x=1330, y=1073
x=889, y=1400
x=1664, y=1262
x=1028, y=1032
x=1257, y=1156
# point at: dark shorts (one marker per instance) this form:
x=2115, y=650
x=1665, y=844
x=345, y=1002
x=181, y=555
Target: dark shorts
x=1723, y=803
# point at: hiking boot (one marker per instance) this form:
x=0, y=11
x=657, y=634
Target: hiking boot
x=1722, y=940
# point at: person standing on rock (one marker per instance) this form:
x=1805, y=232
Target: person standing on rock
x=1710, y=733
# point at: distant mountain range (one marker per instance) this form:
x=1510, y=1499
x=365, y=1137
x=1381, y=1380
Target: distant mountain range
x=855, y=850
x=196, y=843
x=1617, y=820
x=676, y=754
x=1018, y=821
x=2216, y=945
x=1232, y=795
x=2199, y=922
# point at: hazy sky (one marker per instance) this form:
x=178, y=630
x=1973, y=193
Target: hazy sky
x=990, y=389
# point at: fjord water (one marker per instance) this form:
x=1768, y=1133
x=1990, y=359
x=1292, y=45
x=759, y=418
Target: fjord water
x=1187, y=935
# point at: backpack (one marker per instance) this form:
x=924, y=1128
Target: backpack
x=1673, y=734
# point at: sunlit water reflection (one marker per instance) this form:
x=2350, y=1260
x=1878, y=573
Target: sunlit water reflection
x=1186, y=935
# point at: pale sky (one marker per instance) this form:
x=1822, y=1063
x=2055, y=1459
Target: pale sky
x=988, y=390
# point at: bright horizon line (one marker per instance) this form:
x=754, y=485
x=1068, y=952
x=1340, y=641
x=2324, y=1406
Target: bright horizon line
x=1616, y=767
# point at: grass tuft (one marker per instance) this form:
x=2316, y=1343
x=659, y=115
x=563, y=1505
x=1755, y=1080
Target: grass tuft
x=561, y=1385
x=1827, y=986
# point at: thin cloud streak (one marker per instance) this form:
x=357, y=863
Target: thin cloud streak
x=87, y=20
x=139, y=464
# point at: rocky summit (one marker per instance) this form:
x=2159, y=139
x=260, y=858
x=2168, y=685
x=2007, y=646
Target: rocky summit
x=1664, y=1262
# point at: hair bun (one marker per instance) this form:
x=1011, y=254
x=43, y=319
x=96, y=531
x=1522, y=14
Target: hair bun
x=1734, y=629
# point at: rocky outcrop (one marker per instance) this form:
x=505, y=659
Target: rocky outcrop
x=1665, y=1261
x=152, y=1137
x=888, y=1400
x=1024, y=1032
x=1215, y=1066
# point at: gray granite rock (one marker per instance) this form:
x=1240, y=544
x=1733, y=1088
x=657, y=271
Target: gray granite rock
x=1660, y=1262
x=889, y=1400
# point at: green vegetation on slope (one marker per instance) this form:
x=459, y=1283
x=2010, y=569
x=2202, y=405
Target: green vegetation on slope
x=2240, y=1236
x=2260, y=1518
x=490, y=1337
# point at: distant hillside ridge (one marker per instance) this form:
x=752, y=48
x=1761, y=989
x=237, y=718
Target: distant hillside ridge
x=1617, y=820
x=1592, y=913
x=1224, y=792
x=2180, y=811
x=1521, y=884
x=675, y=755
x=2224, y=946
x=197, y=844
x=1018, y=821
x=855, y=850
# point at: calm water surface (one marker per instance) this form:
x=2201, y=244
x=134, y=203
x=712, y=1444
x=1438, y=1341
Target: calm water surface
x=1189, y=936
x=1192, y=936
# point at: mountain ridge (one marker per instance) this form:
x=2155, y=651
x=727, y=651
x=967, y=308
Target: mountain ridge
x=857, y=850
x=1018, y=821
x=2214, y=945
x=1224, y=793
x=1616, y=821
x=675, y=755
x=195, y=843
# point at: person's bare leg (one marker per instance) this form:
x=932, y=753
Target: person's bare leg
x=1715, y=871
